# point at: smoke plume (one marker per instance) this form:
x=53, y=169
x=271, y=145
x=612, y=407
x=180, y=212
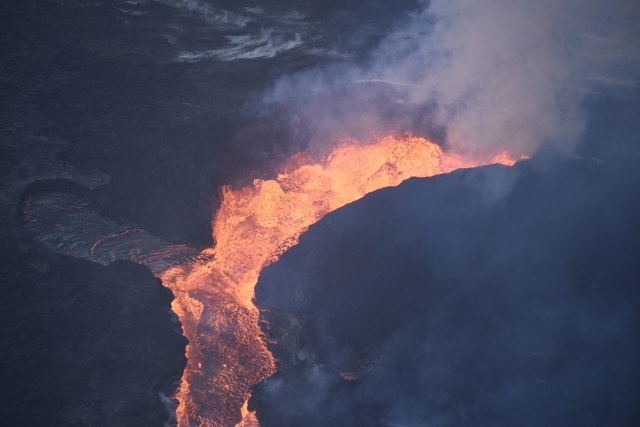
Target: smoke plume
x=477, y=77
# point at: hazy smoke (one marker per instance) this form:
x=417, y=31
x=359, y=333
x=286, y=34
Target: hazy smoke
x=480, y=77
x=459, y=303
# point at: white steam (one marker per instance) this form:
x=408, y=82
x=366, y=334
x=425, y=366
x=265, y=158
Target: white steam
x=486, y=75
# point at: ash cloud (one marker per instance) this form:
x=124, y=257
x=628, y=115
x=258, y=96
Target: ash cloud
x=479, y=77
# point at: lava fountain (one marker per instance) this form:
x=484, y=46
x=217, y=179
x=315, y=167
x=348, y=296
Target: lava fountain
x=227, y=353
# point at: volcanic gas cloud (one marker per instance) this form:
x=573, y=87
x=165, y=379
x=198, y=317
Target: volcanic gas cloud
x=253, y=227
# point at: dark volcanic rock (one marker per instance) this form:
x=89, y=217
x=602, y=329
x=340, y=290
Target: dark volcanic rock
x=98, y=93
x=493, y=296
x=83, y=344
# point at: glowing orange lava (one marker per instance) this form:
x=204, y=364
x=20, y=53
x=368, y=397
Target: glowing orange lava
x=253, y=227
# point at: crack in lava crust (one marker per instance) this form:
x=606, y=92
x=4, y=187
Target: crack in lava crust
x=227, y=353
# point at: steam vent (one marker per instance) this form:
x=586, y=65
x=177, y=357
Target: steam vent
x=312, y=214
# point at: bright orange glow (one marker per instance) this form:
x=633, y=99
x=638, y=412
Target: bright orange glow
x=253, y=227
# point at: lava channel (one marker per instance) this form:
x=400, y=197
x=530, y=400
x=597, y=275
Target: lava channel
x=254, y=225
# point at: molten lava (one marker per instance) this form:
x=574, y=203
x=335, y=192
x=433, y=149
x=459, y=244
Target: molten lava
x=253, y=227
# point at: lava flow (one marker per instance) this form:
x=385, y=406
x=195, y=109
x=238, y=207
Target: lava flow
x=253, y=227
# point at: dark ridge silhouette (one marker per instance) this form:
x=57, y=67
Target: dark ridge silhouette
x=491, y=296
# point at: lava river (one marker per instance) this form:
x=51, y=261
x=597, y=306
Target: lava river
x=253, y=227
